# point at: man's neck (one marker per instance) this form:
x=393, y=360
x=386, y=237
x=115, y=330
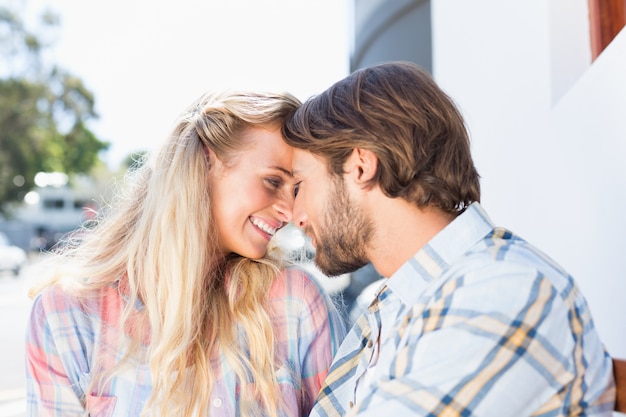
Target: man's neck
x=402, y=229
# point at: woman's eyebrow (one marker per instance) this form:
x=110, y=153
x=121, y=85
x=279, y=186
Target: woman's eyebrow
x=286, y=171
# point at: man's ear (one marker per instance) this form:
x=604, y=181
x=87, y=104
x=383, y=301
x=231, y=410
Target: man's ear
x=361, y=165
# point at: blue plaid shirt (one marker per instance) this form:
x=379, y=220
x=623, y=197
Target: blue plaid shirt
x=477, y=323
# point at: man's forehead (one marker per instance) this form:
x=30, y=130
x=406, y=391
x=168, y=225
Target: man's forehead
x=305, y=162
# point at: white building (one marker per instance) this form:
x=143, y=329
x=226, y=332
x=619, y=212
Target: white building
x=547, y=122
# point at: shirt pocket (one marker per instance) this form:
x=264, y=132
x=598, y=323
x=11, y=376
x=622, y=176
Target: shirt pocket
x=100, y=406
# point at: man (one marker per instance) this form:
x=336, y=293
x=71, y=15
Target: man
x=472, y=320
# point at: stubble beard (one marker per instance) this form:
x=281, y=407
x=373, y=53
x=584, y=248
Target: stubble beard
x=343, y=237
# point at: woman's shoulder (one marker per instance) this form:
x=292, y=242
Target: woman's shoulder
x=63, y=298
x=56, y=297
x=295, y=280
x=301, y=289
x=298, y=292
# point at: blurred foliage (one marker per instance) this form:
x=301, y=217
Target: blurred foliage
x=44, y=110
x=135, y=160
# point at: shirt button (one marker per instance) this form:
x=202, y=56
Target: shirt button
x=217, y=402
x=370, y=343
x=351, y=404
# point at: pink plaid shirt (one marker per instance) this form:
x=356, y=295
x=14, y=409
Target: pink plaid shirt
x=66, y=335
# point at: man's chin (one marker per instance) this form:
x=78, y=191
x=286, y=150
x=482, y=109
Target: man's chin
x=334, y=269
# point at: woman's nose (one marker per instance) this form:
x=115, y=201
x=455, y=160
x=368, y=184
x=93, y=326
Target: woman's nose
x=284, y=208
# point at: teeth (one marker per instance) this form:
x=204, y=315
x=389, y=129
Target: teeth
x=263, y=226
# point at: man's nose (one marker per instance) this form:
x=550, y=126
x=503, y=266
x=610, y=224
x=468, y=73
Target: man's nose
x=300, y=218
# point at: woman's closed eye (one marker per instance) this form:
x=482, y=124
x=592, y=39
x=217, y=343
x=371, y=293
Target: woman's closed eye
x=274, y=182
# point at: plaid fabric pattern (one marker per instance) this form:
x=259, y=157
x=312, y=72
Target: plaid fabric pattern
x=66, y=336
x=345, y=368
x=482, y=324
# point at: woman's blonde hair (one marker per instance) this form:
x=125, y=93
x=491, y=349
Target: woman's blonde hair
x=160, y=241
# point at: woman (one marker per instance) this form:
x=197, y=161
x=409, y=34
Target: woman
x=173, y=304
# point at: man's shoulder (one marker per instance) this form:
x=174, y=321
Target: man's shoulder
x=502, y=250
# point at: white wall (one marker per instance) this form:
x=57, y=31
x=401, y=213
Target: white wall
x=548, y=130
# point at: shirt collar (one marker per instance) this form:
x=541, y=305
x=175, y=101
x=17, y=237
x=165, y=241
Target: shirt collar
x=414, y=276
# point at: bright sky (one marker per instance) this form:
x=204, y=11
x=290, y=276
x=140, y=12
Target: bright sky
x=145, y=61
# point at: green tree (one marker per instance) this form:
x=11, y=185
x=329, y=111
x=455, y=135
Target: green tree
x=135, y=160
x=44, y=111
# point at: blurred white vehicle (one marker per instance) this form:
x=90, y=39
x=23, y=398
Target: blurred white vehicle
x=12, y=258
